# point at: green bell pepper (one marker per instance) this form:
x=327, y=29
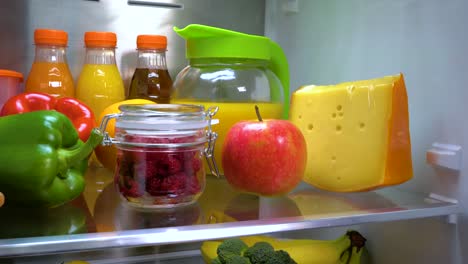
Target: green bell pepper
x=42, y=159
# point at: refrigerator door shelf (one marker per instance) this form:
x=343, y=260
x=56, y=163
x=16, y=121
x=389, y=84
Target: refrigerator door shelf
x=445, y=155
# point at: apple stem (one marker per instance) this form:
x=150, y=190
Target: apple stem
x=258, y=114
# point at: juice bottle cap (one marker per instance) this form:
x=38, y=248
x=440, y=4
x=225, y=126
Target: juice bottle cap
x=151, y=42
x=50, y=36
x=100, y=39
x=8, y=73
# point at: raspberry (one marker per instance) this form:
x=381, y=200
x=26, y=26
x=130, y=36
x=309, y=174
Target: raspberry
x=192, y=166
x=154, y=140
x=133, y=192
x=170, y=173
x=186, y=154
x=154, y=155
x=168, y=165
x=182, y=139
x=136, y=156
x=174, y=184
x=181, y=155
x=196, y=164
x=131, y=138
x=193, y=186
x=153, y=186
x=173, y=165
x=124, y=167
x=125, y=181
x=131, y=189
x=135, y=139
x=145, y=170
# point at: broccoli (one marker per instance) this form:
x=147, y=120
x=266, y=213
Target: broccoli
x=280, y=257
x=235, y=251
x=233, y=245
x=216, y=261
x=259, y=253
x=236, y=259
x=229, y=247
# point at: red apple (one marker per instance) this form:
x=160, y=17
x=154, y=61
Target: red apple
x=265, y=157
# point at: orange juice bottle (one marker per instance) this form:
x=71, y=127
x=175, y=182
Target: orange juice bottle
x=49, y=72
x=100, y=84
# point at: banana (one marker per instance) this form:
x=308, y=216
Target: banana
x=347, y=249
x=208, y=250
x=216, y=216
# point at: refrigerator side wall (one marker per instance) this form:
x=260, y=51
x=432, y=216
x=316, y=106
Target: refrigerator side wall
x=334, y=41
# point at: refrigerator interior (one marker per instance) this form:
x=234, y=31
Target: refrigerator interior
x=20, y=18
x=326, y=42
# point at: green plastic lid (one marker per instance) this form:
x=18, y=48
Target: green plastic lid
x=211, y=42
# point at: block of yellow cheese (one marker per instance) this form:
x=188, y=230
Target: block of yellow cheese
x=357, y=133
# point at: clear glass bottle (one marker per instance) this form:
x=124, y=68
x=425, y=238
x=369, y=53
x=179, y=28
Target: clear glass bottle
x=50, y=72
x=100, y=84
x=160, y=150
x=151, y=79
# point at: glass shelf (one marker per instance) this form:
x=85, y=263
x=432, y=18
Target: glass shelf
x=99, y=220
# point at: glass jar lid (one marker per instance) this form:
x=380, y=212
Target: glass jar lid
x=164, y=118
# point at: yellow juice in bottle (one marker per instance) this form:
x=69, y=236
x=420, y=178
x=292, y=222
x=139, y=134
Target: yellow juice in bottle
x=99, y=86
x=51, y=78
x=231, y=113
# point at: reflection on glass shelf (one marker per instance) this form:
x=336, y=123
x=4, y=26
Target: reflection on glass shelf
x=111, y=215
x=71, y=218
x=100, y=220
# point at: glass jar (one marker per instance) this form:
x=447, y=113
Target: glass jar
x=160, y=150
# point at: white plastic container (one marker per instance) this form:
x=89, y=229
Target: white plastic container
x=10, y=85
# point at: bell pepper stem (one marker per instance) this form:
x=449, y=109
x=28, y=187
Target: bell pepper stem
x=70, y=156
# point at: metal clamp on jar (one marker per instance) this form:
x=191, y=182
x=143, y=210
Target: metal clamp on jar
x=160, y=148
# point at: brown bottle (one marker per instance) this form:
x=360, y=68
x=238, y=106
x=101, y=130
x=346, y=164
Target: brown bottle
x=151, y=79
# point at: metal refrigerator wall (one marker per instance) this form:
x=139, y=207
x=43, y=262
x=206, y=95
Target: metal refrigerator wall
x=20, y=18
x=330, y=41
